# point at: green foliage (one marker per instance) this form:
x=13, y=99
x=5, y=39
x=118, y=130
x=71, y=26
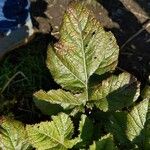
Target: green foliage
x=132, y=126
x=13, y=135
x=66, y=99
x=105, y=143
x=84, y=50
x=116, y=92
x=53, y=135
x=90, y=113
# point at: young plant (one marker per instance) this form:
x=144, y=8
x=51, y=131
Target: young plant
x=94, y=109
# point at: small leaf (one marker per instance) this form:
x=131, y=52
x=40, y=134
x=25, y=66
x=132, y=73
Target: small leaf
x=83, y=49
x=105, y=143
x=116, y=92
x=54, y=135
x=12, y=135
x=63, y=98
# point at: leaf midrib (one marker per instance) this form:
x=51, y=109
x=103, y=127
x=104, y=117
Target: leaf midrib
x=83, y=53
x=51, y=137
x=84, y=61
x=69, y=69
x=9, y=138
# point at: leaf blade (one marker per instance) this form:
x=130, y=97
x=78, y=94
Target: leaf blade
x=136, y=119
x=13, y=135
x=66, y=99
x=83, y=47
x=116, y=92
x=55, y=135
x=105, y=143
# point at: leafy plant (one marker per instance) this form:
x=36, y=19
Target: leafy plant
x=13, y=135
x=95, y=108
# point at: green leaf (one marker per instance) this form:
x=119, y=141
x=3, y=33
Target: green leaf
x=105, y=143
x=116, y=92
x=12, y=135
x=55, y=135
x=146, y=134
x=146, y=143
x=85, y=125
x=61, y=97
x=47, y=108
x=84, y=48
x=136, y=120
x=117, y=126
x=132, y=128
x=146, y=92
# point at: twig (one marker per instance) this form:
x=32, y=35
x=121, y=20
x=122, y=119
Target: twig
x=136, y=34
x=121, y=69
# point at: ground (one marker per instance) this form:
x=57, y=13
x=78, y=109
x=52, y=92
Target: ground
x=23, y=71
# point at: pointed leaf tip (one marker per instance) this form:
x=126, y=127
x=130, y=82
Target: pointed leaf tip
x=84, y=48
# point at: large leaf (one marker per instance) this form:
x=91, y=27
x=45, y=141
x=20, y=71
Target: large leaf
x=84, y=48
x=12, y=135
x=105, y=143
x=61, y=97
x=132, y=127
x=54, y=135
x=116, y=92
x=136, y=120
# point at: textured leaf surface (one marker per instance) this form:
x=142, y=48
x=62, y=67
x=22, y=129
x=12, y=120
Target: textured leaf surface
x=63, y=98
x=84, y=48
x=136, y=120
x=132, y=126
x=105, y=143
x=116, y=92
x=146, y=95
x=55, y=135
x=12, y=135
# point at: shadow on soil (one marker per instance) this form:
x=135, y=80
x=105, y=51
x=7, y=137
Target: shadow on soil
x=134, y=57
